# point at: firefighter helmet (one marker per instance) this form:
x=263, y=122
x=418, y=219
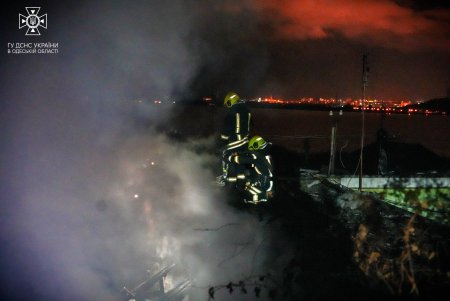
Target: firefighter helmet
x=256, y=143
x=230, y=99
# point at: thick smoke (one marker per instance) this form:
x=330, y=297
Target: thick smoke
x=90, y=200
x=232, y=39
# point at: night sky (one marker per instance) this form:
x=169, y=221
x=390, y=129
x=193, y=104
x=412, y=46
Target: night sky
x=283, y=48
x=314, y=48
x=72, y=161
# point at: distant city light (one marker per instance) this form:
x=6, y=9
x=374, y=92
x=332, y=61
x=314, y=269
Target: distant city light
x=371, y=105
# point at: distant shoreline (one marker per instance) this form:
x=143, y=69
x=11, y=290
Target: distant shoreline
x=439, y=106
x=405, y=110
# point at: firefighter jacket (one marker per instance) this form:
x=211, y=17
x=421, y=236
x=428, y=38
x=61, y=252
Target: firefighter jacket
x=236, y=126
x=260, y=163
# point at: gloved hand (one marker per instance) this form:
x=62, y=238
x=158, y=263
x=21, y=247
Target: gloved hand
x=247, y=185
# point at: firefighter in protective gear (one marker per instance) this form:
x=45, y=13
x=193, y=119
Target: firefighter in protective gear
x=235, y=134
x=259, y=180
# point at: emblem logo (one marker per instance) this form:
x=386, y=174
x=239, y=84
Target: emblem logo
x=33, y=21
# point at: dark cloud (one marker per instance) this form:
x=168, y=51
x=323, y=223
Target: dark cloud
x=375, y=23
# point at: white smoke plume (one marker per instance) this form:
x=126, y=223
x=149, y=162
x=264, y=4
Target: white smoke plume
x=91, y=201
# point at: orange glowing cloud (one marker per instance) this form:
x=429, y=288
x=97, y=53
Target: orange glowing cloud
x=373, y=22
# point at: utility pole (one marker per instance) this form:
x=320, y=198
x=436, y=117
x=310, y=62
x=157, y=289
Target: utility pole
x=334, y=124
x=365, y=75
